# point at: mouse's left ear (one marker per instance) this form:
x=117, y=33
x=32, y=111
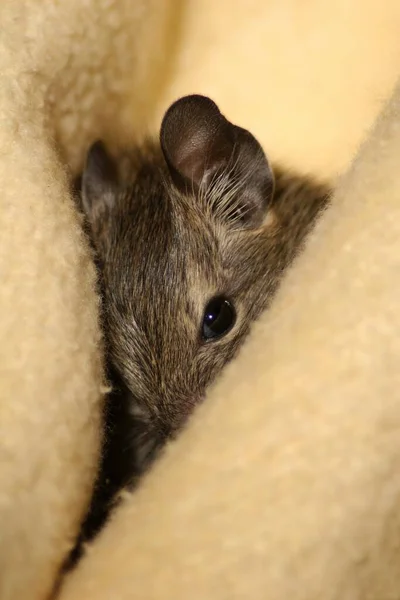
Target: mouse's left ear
x=98, y=182
x=206, y=153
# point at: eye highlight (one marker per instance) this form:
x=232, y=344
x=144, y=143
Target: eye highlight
x=219, y=318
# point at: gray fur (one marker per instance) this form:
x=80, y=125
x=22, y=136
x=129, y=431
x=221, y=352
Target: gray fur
x=167, y=241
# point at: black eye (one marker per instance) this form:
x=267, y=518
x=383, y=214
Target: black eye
x=219, y=318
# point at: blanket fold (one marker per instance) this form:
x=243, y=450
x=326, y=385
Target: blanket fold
x=284, y=484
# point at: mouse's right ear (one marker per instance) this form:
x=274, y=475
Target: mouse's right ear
x=196, y=141
x=99, y=182
x=207, y=153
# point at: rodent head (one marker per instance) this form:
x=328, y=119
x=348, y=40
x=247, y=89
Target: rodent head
x=183, y=249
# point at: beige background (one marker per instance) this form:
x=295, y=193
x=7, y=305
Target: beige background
x=308, y=79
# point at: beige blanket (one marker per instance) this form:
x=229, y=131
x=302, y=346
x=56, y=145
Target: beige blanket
x=286, y=483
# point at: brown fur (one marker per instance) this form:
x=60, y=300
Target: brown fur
x=164, y=256
x=164, y=250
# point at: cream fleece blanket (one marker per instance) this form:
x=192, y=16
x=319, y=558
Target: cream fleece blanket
x=286, y=483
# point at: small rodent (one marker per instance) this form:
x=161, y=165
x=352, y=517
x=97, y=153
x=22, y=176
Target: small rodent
x=191, y=236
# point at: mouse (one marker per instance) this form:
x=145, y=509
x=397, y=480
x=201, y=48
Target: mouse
x=192, y=233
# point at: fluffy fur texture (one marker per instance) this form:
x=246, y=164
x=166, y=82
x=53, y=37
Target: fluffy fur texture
x=54, y=59
x=177, y=224
x=286, y=481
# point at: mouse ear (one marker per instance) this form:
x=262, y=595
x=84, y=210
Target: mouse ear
x=206, y=153
x=98, y=182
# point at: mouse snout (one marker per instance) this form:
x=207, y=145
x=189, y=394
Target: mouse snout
x=173, y=428
x=175, y=420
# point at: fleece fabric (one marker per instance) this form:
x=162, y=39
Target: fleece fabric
x=286, y=482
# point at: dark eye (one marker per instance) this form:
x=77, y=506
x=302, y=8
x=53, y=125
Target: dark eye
x=219, y=318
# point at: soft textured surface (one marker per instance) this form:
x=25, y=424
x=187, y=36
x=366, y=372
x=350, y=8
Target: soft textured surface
x=57, y=64
x=286, y=482
x=297, y=494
